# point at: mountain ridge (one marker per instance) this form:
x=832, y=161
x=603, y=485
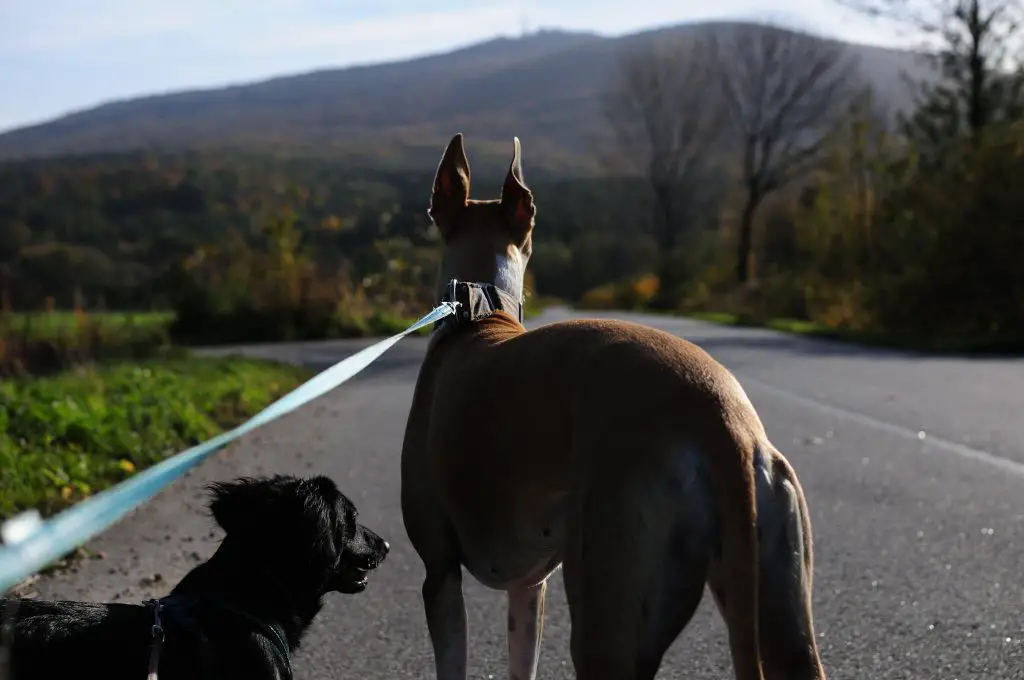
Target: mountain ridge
x=544, y=87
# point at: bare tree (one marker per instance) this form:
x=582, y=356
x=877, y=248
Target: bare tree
x=665, y=125
x=976, y=48
x=784, y=92
x=993, y=26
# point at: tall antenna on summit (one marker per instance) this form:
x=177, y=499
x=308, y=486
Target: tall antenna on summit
x=524, y=23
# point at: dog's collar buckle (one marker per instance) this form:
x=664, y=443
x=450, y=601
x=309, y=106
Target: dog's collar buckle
x=451, y=297
x=473, y=301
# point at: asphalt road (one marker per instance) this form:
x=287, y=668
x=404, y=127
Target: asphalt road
x=913, y=468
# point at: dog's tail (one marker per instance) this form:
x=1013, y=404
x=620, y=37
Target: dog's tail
x=740, y=559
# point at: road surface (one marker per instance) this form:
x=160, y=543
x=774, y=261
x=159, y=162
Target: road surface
x=913, y=468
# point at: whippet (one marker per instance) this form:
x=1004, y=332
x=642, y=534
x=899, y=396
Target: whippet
x=624, y=454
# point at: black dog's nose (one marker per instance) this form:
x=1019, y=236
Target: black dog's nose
x=387, y=547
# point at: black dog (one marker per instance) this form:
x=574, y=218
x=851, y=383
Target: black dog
x=241, y=614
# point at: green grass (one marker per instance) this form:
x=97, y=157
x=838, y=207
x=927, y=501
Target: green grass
x=723, y=318
x=51, y=325
x=38, y=343
x=121, y=327
x=65, y=437
x=796, y=326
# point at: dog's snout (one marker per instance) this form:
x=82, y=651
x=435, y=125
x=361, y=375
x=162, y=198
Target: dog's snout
x=369, y=549
x=380, y=549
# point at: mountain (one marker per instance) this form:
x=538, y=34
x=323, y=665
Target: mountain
x=543, y=87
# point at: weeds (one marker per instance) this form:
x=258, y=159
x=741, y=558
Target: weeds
x=65, y=437
x=49, y=342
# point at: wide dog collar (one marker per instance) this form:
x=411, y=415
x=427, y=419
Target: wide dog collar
x=474, y=301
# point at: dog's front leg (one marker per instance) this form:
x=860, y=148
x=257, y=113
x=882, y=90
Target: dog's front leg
x=525, y=630
x=446, y=622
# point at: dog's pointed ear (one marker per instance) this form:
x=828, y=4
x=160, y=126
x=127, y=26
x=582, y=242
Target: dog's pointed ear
x=516, y=200
x=451, y=187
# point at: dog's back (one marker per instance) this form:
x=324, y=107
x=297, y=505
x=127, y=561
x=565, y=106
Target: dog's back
x=74, y=639
x=113, y=641
x=599, y=374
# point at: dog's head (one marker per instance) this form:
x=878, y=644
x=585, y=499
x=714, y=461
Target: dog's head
x=302, y=531
x=486, y=241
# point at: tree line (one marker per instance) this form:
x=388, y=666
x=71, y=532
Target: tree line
x=783, y=186
x=750, y=172
x=308, y=241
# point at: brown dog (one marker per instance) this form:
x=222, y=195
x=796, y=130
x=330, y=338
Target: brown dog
x=623, y=452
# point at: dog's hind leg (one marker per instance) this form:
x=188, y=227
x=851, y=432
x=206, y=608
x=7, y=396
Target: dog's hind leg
x=525, y=630
x=787, y=640
x=635, y=568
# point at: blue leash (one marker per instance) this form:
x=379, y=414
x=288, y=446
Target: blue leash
x=29, y=543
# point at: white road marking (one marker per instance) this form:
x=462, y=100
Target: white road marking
x=962, y=450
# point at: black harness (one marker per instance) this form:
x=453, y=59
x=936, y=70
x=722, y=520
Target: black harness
x=474, y=301
x=175, y=608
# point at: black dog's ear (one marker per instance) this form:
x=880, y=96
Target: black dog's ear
x=451, y=187
x=325, y=504
x=516, y=200
x=237, y=504
x=325, y=488
x=321, y=496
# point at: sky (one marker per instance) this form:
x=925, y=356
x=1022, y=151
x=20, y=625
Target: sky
x=58, y=56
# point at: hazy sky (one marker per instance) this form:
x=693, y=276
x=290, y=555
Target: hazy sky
x=62, y=55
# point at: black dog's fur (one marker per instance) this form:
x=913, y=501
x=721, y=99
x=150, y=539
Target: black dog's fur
x=241, y=614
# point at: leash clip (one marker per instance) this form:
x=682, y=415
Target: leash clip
x=158, y=628
x=452, y=300
x=158, y=639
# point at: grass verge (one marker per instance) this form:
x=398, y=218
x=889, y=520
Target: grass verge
x=65, y=437
x=111, y=330
x=42, y=343
x=55, y=324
